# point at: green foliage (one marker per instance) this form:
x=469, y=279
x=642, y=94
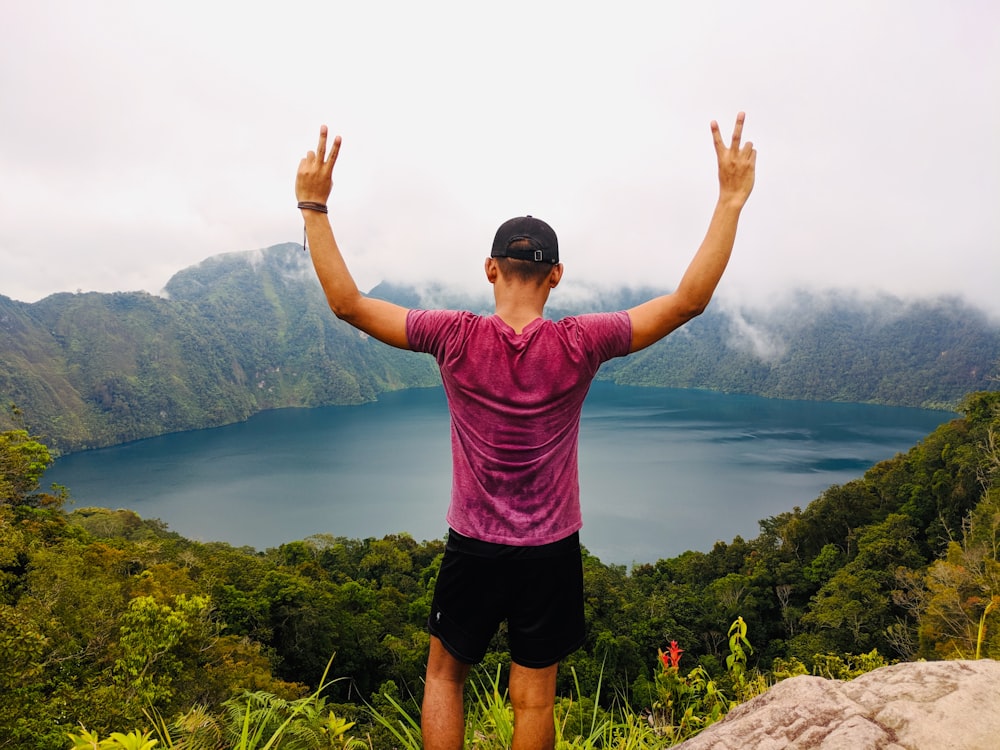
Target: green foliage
x=252, y=721
x=261, y=720
x=239, y=334
x=687, y=703
x=830, y=347
x=23, y=461
x=847, y=666
x=106, y=617
x=134, y=740
x=745, y=684
x=245, y=332
x=491, y=715
x=580, y=722
x=151, y=635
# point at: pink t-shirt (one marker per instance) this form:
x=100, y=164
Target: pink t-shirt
x=515, y=402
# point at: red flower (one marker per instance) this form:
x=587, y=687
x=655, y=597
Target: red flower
x=675, y=654
x=673, y=657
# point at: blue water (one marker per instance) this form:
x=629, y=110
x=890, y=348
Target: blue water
x=661, y=470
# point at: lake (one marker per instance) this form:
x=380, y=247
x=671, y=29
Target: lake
x=661, y=470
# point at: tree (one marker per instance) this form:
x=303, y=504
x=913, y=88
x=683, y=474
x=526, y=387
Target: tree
x=23, y=460
x=855, y=606
x=961, y=613
x=152, y=637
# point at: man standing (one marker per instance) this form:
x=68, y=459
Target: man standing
x=515, y=384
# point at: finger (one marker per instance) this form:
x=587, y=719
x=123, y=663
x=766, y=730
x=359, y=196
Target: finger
x=334, y=150
x=738, y=130
x=717, y=136
x=321, y=148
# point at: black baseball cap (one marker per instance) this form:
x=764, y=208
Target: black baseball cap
x=535, y=239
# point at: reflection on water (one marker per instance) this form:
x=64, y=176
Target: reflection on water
x=662, y=470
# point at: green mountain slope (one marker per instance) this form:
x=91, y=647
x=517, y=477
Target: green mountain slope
x=239, y=334
x=831, y=347
x=244, y=332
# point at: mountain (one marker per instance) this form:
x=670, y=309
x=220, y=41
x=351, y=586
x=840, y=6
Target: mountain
x=830, y=347
x=239, y=333
x=245, y=332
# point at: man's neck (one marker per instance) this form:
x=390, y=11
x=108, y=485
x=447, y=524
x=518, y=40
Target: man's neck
x=518, y=305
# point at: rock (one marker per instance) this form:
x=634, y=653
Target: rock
x=942, y=705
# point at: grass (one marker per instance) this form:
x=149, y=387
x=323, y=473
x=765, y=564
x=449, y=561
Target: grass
x=682, y=706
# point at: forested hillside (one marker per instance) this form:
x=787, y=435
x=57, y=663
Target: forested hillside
x=245, y=332
x=105, y=616
x=830, y=347
x=238, y=334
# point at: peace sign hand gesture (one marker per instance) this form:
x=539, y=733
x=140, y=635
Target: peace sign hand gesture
x=737, y=164
x=315, y=176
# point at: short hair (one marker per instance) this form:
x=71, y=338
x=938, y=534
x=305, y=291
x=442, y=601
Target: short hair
x=525, y=270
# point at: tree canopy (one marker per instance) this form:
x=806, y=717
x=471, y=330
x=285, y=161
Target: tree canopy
x=104, y=614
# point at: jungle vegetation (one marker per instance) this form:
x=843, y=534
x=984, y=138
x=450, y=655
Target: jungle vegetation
x=108, y=619
x=111, y=622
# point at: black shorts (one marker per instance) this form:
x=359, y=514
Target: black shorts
x=537, y=590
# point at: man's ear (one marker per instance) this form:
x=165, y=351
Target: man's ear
x=492, y=270
x=555, y=276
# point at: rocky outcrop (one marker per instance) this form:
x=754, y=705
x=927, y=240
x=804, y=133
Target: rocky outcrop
x=946, y=705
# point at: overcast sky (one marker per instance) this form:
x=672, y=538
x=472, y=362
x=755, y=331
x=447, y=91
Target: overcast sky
x=139, y=138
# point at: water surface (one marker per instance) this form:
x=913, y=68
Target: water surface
x=661, y=470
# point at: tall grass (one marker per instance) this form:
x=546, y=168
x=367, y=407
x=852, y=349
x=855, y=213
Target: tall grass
x=580, y=723
x=252, y=721
x=681, y=706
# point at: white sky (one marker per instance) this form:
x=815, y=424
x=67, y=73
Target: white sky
x=139, y=138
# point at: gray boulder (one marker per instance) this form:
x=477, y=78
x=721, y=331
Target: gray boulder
x=943, y=705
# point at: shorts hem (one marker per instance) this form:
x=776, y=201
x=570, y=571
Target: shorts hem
x=451, y=649
x=543, y=663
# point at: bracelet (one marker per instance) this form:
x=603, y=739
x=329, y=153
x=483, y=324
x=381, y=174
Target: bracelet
x=313, y=206
x=310, y=206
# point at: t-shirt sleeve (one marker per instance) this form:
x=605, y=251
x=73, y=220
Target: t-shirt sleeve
x=429, y=330
x=608, y=335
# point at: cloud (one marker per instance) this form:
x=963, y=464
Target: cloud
x=140, y=139
x=753, y=339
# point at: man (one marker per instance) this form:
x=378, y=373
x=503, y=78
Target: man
x=515, y=384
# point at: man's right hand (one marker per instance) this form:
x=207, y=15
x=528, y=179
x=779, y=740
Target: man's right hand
x=737, y=165
x=315, y=176
x=653, y=320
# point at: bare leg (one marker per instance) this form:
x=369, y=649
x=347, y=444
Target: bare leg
x=442, y=720
x=533, y=695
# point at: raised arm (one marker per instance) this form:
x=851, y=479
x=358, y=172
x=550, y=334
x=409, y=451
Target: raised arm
x=653, y=320
x=383, y=320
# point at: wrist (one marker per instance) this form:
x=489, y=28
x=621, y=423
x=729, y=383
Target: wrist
x=312, y=212
x=315, y=206
x=732, y=201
